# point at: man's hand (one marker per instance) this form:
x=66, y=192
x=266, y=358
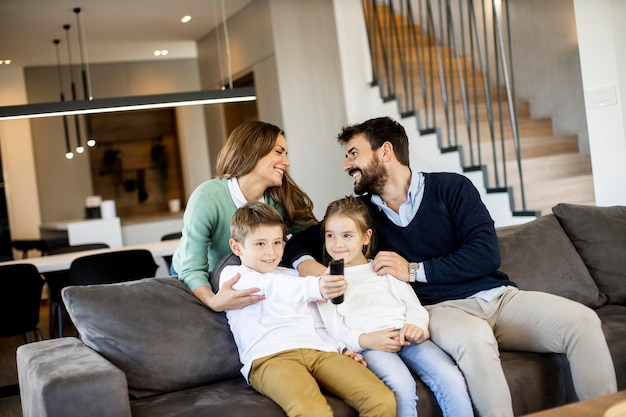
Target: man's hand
x=356, y=356
x=391, y=263
x=411, y=333
x=311, y=268
x=332, y=286
x=386, y=340
x=227, y=298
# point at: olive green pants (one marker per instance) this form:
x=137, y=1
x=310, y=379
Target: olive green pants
x=293, y=379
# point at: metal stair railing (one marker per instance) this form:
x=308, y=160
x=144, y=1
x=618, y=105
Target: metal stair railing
x=438, y=58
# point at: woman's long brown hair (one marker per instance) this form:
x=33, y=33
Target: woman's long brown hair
x=249, y=142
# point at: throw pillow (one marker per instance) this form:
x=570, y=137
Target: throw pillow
x=538, y=256
x=157, y=332
x=599, y=235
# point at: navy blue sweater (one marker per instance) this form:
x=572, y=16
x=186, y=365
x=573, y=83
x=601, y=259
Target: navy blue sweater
x=452, y=234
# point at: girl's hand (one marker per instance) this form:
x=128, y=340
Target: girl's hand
x=387, y=340
x=356, y=356
x=411, y=333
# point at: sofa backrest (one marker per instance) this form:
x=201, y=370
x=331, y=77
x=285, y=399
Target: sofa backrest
x=539, y=256
x=157, y=332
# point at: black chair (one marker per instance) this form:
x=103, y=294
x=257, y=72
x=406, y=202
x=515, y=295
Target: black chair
x=168, y=258
x=25, y=245
x=20, y=301
x=109, y=268
x=58, y=280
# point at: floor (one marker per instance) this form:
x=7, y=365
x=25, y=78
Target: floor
x=11, y=406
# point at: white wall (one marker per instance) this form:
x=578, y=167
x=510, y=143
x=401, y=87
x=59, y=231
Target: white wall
x=601, y=34
x=20, y=175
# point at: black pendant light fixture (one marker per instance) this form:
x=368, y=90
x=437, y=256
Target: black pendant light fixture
x=79, y=145
x=68, y=150
x=87, y=93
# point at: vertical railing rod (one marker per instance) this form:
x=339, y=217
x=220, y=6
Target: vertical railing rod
x=511, y=102
x=450, y=74
x=442, y=81
x=432, y=53
x=406, y=61
x=499, y=52
x=371, y=38
x=484, y=74
x=466, y=106
x=420, y=63
x=474, y=79
x=386, y=60
x=459, y=70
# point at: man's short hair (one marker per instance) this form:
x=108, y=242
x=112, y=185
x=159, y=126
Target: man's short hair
x=378, y=131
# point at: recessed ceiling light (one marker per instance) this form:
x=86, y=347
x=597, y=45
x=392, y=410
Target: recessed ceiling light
x=5, y=61
x=185, y=19
x=161, y=52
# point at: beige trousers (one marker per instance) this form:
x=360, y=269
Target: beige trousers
x=472, y=330
x=293, y=379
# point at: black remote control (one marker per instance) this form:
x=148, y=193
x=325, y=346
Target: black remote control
x=336, y=268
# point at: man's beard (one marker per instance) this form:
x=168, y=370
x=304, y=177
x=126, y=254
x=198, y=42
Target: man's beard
x=373, y=179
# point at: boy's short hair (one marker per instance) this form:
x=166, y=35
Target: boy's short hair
x=252, y=215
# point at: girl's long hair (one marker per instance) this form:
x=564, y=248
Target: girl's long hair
x=249, y=142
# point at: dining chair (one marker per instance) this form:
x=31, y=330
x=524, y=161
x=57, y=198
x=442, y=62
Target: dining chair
x=57, y=280
x=109, y=268
x=20, y=301
x=168, y=258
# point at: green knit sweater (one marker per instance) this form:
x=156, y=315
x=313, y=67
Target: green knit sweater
x=206, y=231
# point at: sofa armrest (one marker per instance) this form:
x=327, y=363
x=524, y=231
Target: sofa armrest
x=63, y=377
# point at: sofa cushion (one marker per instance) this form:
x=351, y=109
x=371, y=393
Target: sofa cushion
x=156, y=331
x=539, y=256
x=599, y=235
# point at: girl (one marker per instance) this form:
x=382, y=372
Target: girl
x=252, y=166
x=382, y=318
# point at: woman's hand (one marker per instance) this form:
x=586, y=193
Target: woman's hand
x=386, y=262
x=386, y=340
x=226, y=297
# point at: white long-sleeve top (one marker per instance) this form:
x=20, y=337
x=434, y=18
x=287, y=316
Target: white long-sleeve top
x=372, y=302
x=286, y=319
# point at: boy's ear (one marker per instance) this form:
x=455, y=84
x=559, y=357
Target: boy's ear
x=234, y=246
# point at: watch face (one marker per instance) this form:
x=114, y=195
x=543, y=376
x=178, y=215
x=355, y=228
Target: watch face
x=414, y=266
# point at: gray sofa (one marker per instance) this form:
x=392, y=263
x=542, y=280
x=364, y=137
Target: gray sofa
x=149, y=348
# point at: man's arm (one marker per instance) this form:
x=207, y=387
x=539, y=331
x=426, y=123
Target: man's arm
x=309, y=243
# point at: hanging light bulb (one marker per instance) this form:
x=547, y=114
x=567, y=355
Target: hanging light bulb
x=68, y=152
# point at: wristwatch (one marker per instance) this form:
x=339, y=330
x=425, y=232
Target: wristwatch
x=413, y=268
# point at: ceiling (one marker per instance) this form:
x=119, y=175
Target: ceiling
x=113, y=30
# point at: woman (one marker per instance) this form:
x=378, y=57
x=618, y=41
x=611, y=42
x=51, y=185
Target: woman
x=252, y=166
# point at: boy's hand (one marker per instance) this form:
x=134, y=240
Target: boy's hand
x=386, y=340
x=332, y=286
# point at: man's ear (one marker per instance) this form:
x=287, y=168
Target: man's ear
x=386, y=151
x=234, y=246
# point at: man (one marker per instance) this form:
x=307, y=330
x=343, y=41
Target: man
x=435, y=232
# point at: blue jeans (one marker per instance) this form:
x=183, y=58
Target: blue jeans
x=433, y=366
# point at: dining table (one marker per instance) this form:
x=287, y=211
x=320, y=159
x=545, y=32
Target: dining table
x=62, y=261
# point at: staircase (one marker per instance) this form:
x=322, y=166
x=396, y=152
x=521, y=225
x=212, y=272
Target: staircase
x=465, y=100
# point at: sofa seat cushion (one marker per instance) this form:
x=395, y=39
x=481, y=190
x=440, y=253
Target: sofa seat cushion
x=156, y=332
x=537, y=381
x=614, y=328
x=599, y=235
x=223, y=399
x=539, y=256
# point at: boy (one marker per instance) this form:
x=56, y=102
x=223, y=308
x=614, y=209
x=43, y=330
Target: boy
x=283, y=356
